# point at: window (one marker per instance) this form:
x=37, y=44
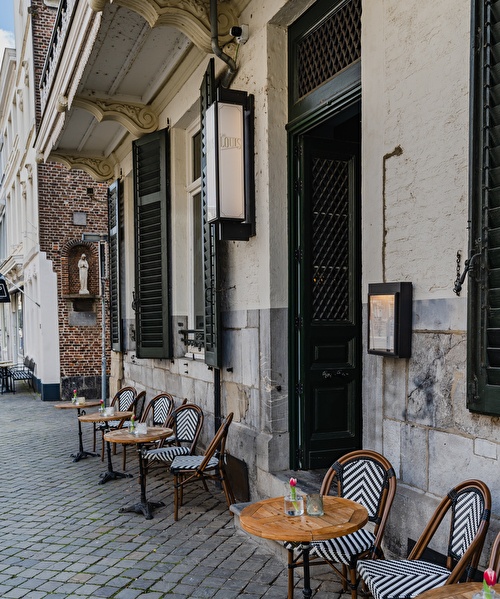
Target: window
x=115, y=215
x=196, y=306
x=152, y=245
x=483, y=392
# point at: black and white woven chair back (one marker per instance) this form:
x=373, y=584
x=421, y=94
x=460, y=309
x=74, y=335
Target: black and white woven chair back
x=363, y=480
x=162, y=409
x=125, y=399
x=467, y=513
x=186, y=424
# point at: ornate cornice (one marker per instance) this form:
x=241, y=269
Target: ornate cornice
x=136, y=118
x=99, y=169
x=192, y=17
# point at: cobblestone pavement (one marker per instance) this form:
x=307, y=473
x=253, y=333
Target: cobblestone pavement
x=62, y=536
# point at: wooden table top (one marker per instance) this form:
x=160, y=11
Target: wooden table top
x=65, y=405
x=267, y=519
x=124, y=437
x=98, y=417
x=463, y=590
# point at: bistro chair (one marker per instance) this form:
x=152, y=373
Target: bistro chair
x=186, y=422
x=122, y=401
x=495, y=556
x=188, y=469
x=158, y=410
x=469, y=505
x=369, y=479
x=138, y=408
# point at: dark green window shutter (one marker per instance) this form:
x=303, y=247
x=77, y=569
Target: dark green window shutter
x=114, y=207
x=213, y=347
x=484, y=280
x=152, y=216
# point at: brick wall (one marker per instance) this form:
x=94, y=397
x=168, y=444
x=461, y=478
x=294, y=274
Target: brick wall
x=61, y=193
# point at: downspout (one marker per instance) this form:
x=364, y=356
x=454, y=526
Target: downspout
x=214, y=29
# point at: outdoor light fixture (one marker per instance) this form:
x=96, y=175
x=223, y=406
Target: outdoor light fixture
x=230, y=172
x=390, y=319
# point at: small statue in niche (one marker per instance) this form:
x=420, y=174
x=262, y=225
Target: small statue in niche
x=83, y=267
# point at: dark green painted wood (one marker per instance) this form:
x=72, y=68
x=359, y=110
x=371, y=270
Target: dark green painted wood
x=152, y=245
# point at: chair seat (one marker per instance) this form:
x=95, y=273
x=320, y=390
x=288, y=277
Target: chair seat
x=164, y=454
x=192, y=462
x=344, y=549
x=395, y=579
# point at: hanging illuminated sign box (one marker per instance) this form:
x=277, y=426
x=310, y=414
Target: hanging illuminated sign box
x=229, y=164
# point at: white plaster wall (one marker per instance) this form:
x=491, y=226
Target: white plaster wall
x=416, y=93
x=415, y=80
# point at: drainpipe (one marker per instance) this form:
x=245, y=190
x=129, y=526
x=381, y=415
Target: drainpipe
x=214, y=29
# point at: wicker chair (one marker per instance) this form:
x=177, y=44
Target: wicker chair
x=469, y=504
x=186, y=422
x=188, y=469
x=495, y=556
x=367, y=478
x=122, y=401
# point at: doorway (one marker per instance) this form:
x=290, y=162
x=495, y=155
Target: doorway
x=327, y=292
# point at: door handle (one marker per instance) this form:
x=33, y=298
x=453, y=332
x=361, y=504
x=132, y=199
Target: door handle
x=328, y=374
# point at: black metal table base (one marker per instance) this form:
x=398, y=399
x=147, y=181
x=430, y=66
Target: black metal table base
x=142, y=508
x=112, y=475
x=81, y=455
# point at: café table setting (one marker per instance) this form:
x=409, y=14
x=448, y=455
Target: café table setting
x=284, y=518
x=138, y=435
x=107, y=415
x=79, y=404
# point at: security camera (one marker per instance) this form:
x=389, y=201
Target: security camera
x=240, y=33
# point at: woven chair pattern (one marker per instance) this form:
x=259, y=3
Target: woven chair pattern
x=365, y=477
x=187, y=421
x=469, y=504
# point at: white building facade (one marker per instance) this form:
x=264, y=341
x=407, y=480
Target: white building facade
x=366, y=164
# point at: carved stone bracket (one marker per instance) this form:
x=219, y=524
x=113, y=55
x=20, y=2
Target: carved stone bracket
x=136, y=118
x=192, y=17
x=99, y=169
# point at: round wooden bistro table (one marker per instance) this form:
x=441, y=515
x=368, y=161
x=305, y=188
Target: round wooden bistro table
x=267, y=519
x=68, y=405
x=98, y=417
x=462, y=590
x=123, y=436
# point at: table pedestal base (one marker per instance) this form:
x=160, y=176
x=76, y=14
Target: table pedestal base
x=112, y=475
x=80, y=455
x=142, y=508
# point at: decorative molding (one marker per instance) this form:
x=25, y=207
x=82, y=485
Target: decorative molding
x=62, y=103
x=99, y=169
x=191, y=17
x=136, y=118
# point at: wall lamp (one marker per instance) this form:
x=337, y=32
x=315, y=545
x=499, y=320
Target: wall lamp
x=390, y=319
x=230, y=164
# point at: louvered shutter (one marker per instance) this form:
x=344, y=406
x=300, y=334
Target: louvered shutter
x=213, y=346
x=152, y=215
x=484, y=282
x=114, y=201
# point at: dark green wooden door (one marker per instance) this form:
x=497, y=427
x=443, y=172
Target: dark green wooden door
x=327, y=302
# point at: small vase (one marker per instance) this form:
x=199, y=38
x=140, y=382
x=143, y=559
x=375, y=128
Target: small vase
x=294, y=506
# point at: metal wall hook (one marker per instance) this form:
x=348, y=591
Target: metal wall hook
x=459, y=281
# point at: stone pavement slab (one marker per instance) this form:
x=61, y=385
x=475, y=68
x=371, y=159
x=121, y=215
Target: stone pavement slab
x=62, y=536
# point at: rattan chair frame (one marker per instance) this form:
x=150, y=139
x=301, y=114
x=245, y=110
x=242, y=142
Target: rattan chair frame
x=204, y=471
x=348, y=576
x=494, y=563
x=469, y=560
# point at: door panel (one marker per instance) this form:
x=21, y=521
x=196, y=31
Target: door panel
x=328, y=302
